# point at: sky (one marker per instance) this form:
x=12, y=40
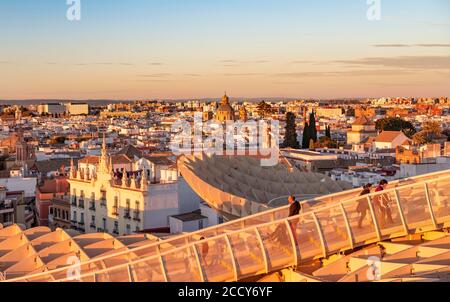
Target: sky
x=169, y=49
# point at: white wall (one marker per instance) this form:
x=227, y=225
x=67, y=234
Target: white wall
x=162, y=202
x=213, y=216
x=189, y=200
x=20, y=184
x=177, y=226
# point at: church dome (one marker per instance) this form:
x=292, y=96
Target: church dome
x=225, y=112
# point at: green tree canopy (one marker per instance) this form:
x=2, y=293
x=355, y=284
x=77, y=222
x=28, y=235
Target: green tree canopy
x=431, y=131
x=264, y=109
x=396, y=124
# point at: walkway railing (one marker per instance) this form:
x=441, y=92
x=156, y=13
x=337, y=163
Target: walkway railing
x=268, y=241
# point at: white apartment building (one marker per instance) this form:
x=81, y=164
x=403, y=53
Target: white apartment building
x=100, y=202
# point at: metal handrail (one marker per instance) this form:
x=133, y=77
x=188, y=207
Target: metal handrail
x=216, y=228
x=252, y=228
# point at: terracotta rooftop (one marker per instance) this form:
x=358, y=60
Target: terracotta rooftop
x=388, y=136
x=90, y=160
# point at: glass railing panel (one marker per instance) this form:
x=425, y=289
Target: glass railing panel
x=440, y=199
x=278, y=244
x=387, y=212
x=259, y=219
x=248, y=254
x=415, y=206
x=215, y=259
x=281, y=213
x=235, y=226
x=171, y=244
x=148, y=271
x=144, y=252
x=332, y=224
x=360, y=220
x=182, y=266
x=308, y=237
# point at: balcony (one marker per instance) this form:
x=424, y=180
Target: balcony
x=92, y=207
x=93, y=226
x=74, y=202
x=81, y=223
x=81, y=204
x=116, y=232
x=103, y=203
x=127, y=215
x=137, y=217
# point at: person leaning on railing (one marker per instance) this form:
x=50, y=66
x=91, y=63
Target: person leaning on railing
x=382, y=202
x=294, y=210
x=363, y=205
x=280, y=234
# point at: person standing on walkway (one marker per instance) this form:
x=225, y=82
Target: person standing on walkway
x=363, y=204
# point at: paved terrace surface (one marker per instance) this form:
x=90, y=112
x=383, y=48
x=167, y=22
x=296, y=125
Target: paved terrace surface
x=252, y=246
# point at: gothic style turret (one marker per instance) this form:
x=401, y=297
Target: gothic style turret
x=104, y=161
x=72, y=173
x=144, y=181
x=124, y=179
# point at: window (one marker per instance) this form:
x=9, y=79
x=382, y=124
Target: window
x=74, y=217
x=93, y=197
x=128, y=231
x=51, y=211
x=200, y=224
x=82, y=218
x=104, y=223
x=116, y=227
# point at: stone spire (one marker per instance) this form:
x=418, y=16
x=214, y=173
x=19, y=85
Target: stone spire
x=144, y=181
x=133, y=184
x=72, y=169
x=124, y=179
x=104, y=162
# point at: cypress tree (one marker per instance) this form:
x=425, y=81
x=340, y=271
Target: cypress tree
x=290, y=138
x=328, y=132
x=306, y=137
x=312, y=126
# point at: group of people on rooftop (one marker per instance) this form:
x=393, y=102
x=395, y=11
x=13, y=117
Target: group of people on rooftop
x=381, y=204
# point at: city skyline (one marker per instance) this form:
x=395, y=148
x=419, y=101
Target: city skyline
x=196, y=49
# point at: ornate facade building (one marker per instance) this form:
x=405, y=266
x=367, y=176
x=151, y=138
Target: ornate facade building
x=25, y=154
x=225, y=112
x=101, y=201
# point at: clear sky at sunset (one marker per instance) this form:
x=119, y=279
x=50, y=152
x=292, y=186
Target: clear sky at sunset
x=198, y=48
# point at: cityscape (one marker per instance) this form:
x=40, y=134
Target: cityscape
x=220, y=149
